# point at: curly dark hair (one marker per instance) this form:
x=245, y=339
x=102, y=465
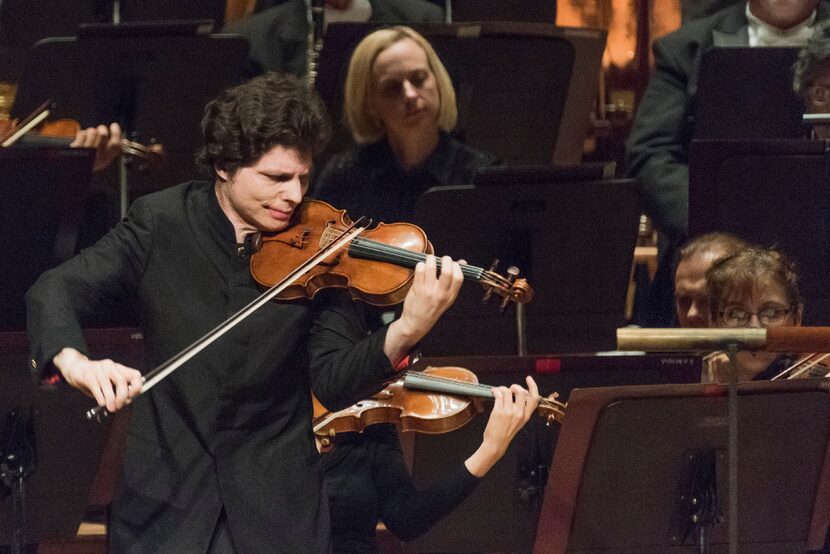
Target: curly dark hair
x=244, y=122
x=742, y=273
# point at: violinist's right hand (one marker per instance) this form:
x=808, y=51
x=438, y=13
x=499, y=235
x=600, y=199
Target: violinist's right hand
x=110, y=384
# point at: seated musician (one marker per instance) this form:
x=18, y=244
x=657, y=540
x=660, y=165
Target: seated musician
x=367, y=479
x=219, y=455
x=400, y=106
x=756, y=287
x=696, y=257
x=812, y=76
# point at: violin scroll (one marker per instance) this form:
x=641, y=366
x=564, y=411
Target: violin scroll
x=510, y=288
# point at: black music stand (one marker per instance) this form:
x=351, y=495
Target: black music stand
x=76, y=461
x=760, y=103
x=156, y=85
x=42, y=192
x=769, y=193
x=574, y=242
x=630, y=460
x=505, y=75
x=502, y=513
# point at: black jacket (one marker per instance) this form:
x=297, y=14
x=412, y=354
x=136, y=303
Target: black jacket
x=231, y=429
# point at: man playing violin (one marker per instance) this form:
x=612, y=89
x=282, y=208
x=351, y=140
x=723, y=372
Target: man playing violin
x=220, y=455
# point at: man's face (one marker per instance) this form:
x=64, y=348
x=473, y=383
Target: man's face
x=782, y=13
x=690, y=300
x=263, y=196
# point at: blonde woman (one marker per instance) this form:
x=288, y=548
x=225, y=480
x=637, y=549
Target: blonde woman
x=400, y=107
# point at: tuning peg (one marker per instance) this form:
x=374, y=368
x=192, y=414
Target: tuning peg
x=489, y=292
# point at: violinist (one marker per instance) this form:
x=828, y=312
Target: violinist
x=755, y=287
x=220, y=456
x=367, y=479
x=400, y=106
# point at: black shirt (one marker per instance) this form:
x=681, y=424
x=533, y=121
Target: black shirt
x=368, y=181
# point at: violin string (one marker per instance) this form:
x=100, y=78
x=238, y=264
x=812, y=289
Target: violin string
x=403, y=256
x=479, y=388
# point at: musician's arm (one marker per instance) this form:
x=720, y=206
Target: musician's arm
x=63, y=298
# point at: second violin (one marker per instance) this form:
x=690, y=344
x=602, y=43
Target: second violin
x=400, y=246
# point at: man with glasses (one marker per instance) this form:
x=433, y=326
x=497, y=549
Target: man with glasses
x=754, y=288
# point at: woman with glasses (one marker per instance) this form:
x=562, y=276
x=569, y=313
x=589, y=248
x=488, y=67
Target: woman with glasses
x=756, y=287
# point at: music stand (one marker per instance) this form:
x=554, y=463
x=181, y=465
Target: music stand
x=505, y=75
x=630, y=459
x=42, y=192
x=574, y=242
x=155, y=85
x=746, y=112
x=69, y=447
x=502, y=513
x=769, y=193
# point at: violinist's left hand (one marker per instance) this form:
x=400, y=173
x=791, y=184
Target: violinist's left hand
x=428, y=298
x=106, y=141
x=512, y=408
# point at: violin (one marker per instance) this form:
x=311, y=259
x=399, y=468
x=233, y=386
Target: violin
x=433, y=401
x=61, y=132
x=399, y=245
x=807, y=366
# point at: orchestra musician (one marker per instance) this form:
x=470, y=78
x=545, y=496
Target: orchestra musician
x=220, y=455
x=657, y=151
x=811, y=79
x=696, y=257
x=756, y=287
x=400, y=107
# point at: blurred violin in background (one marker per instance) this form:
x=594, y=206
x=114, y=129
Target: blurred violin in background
x=34, y=130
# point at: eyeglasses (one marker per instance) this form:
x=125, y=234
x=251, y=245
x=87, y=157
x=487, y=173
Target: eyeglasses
x=818, y=94
x=739, y=317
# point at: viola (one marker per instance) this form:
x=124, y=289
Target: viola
x=34, y=129
x=400, y=246
x=435, y=400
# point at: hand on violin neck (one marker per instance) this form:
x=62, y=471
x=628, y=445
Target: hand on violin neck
x=105, y=140
x=430, y=295
x=512, y=407
x=111, y=384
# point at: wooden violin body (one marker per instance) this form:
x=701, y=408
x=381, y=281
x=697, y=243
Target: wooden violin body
x=435, y=400
x=317, y=224
x=419, y=411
